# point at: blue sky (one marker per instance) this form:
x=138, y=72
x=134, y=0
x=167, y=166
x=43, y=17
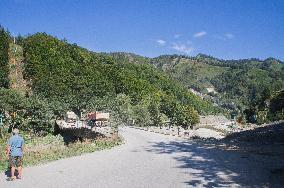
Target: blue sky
x=228, y=29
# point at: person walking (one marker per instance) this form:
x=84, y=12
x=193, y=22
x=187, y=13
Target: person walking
x=14, y=153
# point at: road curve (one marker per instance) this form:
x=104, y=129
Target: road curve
x=151, y=160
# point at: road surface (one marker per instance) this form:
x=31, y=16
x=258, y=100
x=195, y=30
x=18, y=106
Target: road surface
x=153, y=160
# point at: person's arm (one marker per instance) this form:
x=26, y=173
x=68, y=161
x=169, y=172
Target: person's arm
x=8, y=151
x=8, y=148
x=23, y=143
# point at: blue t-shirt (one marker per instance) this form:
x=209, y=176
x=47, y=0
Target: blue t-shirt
x=16, y=143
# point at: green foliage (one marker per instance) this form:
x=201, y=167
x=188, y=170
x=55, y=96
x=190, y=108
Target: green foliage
x=65, y=72
x=179, y=114
x=155, y=110
x=84, y=80
x=251, y=87
x=40, y=115
x=11, y=100
x=121, y=110
x=123, y=107
x=276, y=106
x=141, y=113
x=191, y=115
x=72, y=78
x=242, y=85
x=4, y=58
x=35, y=114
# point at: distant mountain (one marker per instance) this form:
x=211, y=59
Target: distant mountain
x=240, y=86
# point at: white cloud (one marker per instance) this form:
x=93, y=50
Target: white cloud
x=226, y=36
x=176, y=36
x=161, y=42
x=182, y=48
x=229, y=35
x=200, y=34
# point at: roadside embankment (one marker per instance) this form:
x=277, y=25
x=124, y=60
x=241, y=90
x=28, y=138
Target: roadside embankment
x=39, y=150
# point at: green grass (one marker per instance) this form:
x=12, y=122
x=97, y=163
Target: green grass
x=40, y=150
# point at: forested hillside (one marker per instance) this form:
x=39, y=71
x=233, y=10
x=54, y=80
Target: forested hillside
x=63, y=76
x=243, y=87
x=60, y=76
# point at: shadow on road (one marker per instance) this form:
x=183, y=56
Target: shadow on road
x=8, y=172
x=210, y=166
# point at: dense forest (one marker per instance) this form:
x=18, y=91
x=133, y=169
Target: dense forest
x=62, y=76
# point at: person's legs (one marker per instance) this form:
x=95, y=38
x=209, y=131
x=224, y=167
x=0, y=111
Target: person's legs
x=12, y=161
x=19, y=163
x=20, y=172
x=13, y=172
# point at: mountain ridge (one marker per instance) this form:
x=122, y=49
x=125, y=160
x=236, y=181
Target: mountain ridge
x=227, y=82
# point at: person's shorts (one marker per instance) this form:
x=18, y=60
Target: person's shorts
x=16, y=161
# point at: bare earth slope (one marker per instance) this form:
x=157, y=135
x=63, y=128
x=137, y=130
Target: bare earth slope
x=154, y=160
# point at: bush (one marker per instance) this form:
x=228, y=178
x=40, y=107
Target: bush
x=40, y=115
x=35, y=114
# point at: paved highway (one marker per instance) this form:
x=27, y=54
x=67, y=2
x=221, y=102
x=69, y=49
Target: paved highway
x=152, y=160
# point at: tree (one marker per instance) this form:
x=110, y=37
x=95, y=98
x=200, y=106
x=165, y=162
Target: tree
x=141, y=114
x=11, y=100
x=191, y=115
x=40, y=115
x=121, y=109
x=4, y=58
x=154, y=110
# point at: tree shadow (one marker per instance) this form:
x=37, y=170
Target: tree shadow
x=73, y=135
x=272, y=133
x=211, y=166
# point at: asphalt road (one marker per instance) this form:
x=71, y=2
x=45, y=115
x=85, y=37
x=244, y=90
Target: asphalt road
x=153, y=160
